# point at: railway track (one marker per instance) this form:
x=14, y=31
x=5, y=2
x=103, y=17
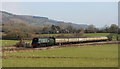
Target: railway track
x=22, y=49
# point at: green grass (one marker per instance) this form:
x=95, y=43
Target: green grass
x=96, y=34
x=85, y=34
x=90, y=56
x=52, y=35
x=14, y=62
x=10, y=42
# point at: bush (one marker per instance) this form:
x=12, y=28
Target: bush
x=113, y=36
x=118, y=37
x=17, y=35
x=110, y=36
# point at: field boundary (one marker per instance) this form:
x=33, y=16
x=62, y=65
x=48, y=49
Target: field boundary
x=34, y=57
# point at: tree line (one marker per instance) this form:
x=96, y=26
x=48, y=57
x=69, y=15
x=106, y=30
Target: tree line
x=21, y=30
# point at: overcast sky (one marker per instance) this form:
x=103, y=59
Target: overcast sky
x=96, y=13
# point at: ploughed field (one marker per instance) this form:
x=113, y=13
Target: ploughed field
x=85, y=56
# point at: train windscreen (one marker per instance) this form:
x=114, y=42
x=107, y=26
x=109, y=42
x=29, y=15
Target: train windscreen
x=35, y=40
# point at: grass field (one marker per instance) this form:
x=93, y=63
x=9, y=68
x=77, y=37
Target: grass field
x=52, y=35
x=96, y=34
x=85, y=34
x=8, y=42
x=89, y=56
x=11, y=42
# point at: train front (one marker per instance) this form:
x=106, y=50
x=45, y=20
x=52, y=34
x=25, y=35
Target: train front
x=42, y=42
x=35, y=42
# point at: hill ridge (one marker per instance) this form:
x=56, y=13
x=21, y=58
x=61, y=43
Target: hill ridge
x=36, y=20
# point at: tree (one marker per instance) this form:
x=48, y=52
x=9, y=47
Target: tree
x=55, y=29
x=46, y=30
x=91, y=29
x=69, y=29
x=81, y=33
x=113, y=28
x=119, y=31
x=106, y=28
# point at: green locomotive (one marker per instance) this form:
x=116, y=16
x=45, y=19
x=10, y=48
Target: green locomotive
x=42, y=42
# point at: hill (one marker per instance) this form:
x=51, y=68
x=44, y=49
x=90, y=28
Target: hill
x=35, y=20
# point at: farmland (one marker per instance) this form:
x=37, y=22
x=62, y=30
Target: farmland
x=85, y=34
x=11, y=42
x=88, y=56
x=96, y=34
x=8, y=42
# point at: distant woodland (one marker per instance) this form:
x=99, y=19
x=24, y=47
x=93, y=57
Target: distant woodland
x=19, y=26
x=26, y=31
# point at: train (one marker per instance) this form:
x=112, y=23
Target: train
x=51, y=41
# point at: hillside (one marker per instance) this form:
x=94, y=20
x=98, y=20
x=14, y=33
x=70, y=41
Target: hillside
x=35, y=20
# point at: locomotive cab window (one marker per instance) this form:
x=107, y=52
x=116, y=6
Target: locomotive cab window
x=43, y=40
x=35, y=40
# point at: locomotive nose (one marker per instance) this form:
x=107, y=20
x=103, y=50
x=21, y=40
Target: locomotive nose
x=34, y=44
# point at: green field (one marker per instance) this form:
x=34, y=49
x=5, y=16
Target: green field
x=11, y=42
x=52, y=35
x=85, y=34
x=96, y=34
x=8, y=42
x=89, y=56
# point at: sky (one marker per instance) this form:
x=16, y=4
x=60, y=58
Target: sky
x=96, y=13
x=59, y=0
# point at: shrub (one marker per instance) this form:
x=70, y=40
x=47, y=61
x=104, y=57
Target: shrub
x=110, y=37
x=113, y=36
x=17, y=35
